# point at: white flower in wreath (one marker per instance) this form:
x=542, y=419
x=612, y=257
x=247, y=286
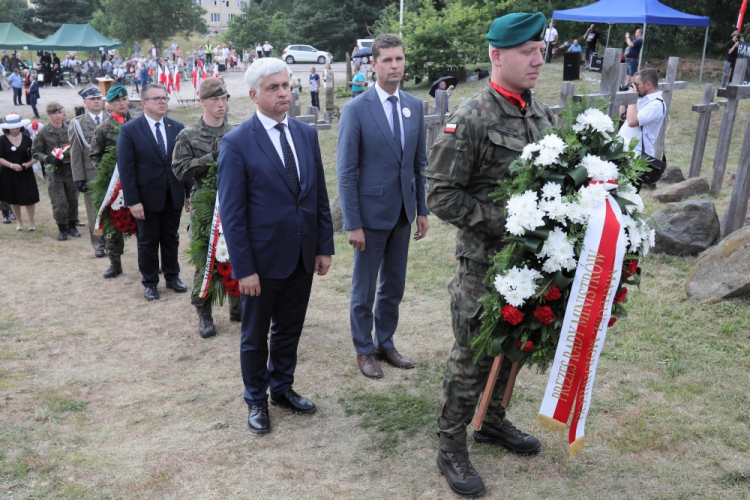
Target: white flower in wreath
x=222, y=254
x=595, y=119
x=520, y=223
x=559, y=251
x=551, y=190
x=627, y=191
x=530, y=149
x=517, y=285
x=119, y=202
x=596, y=167
x=555, y=209
x=522, y=203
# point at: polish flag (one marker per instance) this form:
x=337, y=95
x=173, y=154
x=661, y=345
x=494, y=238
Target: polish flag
x=215, y=73
x=177, y=80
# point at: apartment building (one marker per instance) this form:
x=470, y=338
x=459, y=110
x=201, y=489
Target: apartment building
x=221, y=11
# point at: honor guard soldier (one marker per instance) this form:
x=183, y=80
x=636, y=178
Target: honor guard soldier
x=195, y=149
x=479, y=142
x=80, y=134
x=105, y=137
x=60, y=185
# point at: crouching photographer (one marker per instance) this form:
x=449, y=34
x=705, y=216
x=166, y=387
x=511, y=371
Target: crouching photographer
x=645, y=118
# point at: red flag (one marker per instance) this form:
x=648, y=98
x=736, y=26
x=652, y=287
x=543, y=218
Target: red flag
x=741, y=16
x=177, y=80
x=170, y=83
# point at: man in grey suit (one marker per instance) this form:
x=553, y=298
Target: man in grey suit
x=380, y=157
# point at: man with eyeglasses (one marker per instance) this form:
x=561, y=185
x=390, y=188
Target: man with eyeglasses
x=151, y=190
x=196, y=149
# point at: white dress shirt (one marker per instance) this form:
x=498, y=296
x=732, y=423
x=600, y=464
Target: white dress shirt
x=162, y=130
x=388, y=108
x=650, y=119
x=269, y=124
x=100, y=115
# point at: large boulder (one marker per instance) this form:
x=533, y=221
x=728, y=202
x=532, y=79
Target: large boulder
x=686, y=228
x=337, y=216
x=683, y=190
x=723, y=271
x=672, y=175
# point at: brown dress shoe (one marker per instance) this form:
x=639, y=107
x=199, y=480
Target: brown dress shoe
x=392, y=357
x=369, y=367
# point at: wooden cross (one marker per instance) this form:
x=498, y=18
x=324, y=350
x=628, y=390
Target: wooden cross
x=433, y=122
x=737, y=210
x=490, y=387
x=705, y=109
x=733, y=92
x=667, y=87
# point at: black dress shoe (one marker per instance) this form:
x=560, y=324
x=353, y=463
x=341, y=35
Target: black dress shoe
x=235, y=317
x=506, y=435
x=99, y=254
x=258, y=421
x=79, y=223
x=151, y=293
x=114, y=271
x=460, y=474
x=177, y=285
x=293, y=401
x=206, y=326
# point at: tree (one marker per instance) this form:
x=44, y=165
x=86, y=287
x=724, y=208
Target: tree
x=256, y=26
x=16, y=12
x=326, y=25
x=100, y=22
x=157, y=21
x=50, y=14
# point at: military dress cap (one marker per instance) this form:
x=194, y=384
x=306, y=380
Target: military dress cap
x=90, y=93
x=53, y=107
x=212, y=87
x=515, y=29
x=116, y=92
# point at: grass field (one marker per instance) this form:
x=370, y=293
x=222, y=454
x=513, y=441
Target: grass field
x=103, y=395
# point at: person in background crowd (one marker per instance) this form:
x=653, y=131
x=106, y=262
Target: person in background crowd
x=633, y=53
x=259, y=50
x=731, y=58
x=62, y=189
x=357, y=82
x=550, y=38
x=442, y=86
x=314, y=80
x=27, y=84
x=17, y=181
x=245, y=55
x=575, y=47
x=16, y=83
x=201, y=54
x=209, y=53
x=592, y=42
x=137, y=49
x=153, y=52
x=177, y=52
x=327, y=73
x=647, y=115
x=267, y=48
x=118, y=74
x=329, y=58
x=56, y=75
x=34, y=95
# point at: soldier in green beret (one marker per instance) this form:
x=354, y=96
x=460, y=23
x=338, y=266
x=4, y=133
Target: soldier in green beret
x=196, y=147
x=105, y=137
x=480, y=140
x=63, y=193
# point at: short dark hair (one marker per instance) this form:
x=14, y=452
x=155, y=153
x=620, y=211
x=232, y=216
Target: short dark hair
x=6, y=131
x=649, y=75
x=386, y=41
x=150, y=86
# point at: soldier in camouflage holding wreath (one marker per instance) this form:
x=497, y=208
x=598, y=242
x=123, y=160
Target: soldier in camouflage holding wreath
x=479, y=142
x=104, y=138
x=196, y=148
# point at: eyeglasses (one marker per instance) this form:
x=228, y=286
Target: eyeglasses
x=157, y=99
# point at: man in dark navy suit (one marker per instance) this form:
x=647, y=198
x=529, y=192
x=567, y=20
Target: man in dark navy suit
x=150, y=189
x=277, y=225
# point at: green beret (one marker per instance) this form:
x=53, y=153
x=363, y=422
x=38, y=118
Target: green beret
x=516, y=29
x=116, y=92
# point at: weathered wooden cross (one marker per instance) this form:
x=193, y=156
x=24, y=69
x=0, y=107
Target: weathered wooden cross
x=705, y=108
x=433, y=122
x=737, y=210
x=733, y=92
x=667, y=88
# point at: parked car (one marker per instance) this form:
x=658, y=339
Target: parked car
x=364, y=43
x=303, y=53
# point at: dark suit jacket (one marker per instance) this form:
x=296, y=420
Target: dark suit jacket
x=266, y=226
x=373, y=182
x=144, y=174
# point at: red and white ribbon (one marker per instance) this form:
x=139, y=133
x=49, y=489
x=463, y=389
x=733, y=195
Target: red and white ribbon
x=211, y=257
x=114, y=183
x=585, y=324
x=60, y=152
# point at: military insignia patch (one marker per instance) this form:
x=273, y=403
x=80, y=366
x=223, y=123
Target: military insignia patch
x=450, y=128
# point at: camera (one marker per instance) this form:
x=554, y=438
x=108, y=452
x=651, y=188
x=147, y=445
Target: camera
x=627, y=86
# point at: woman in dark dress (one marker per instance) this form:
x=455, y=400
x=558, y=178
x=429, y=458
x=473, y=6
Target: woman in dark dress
x=17, y=181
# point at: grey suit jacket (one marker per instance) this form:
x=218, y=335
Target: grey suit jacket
x=373, y=183
x=82, y=166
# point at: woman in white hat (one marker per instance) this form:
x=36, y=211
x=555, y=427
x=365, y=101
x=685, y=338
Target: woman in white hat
x=17, y=182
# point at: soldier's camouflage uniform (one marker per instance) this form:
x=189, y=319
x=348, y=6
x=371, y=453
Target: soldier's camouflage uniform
x=106, y=137
x=60, y=185
x=462, y=170
x=193, y=152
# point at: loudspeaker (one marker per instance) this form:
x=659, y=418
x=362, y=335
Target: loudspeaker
x=597, y=62
x=571, y=66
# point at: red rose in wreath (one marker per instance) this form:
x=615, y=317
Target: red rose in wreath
x=612, y=322
x=233, y=288
x=545, y=315
x=511, y=315
x=526, y=347
x=553, y=294
x=224, y=268
x=620, y=296
x=631, y=267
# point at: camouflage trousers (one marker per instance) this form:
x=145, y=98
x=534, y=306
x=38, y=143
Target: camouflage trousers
x=97, y=241
x=63, y=195
x=464, y=380
x=115, y=245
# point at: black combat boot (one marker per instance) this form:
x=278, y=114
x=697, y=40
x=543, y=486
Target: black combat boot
x=115, y=269
x=63, y=234
x=506, y=435
x=72, y=229
x=206, y=326
x=6, y=217
x=460, y=474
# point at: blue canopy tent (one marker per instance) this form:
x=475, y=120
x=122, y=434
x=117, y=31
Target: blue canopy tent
x=631, y=12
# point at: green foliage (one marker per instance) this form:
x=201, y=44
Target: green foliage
x=442, y=41
x=138, y=20
x=18, y=13
x=100, y=22
x=202, y=207
x=50, y=14
x=258, y=25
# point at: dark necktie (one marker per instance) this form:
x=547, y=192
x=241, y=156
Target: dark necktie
x=160, y=141
x=97, y=119
x=289, y=163
x=396, y=124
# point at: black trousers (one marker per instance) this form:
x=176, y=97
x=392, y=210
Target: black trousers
x=158, y=231
x=315, y=96
x=281, y=305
